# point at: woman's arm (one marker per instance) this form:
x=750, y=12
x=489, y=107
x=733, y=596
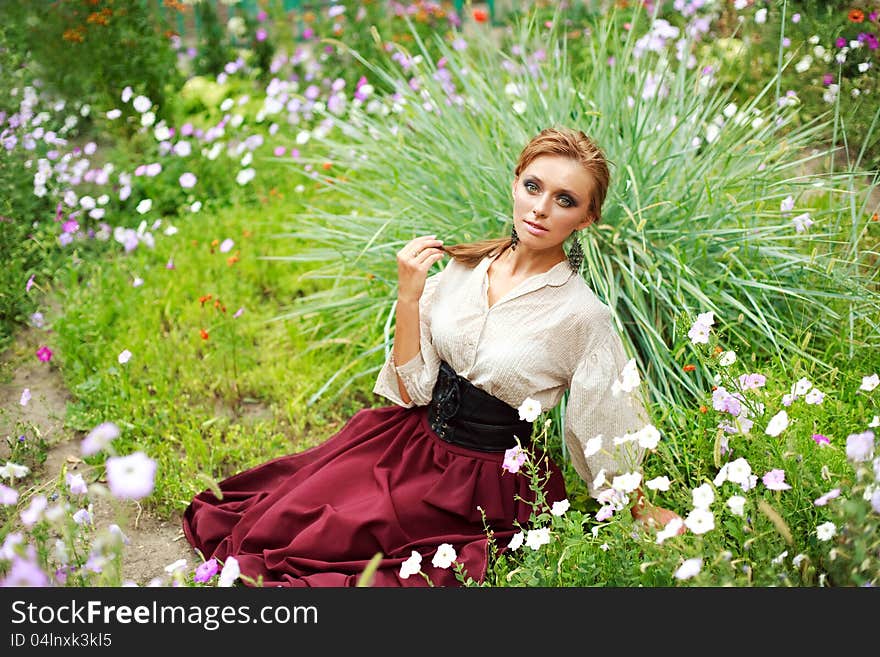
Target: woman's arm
x=413, y=262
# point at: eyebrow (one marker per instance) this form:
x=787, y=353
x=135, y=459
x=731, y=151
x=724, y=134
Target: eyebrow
x=563, y=191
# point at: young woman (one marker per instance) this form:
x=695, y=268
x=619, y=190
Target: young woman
x=505, y=320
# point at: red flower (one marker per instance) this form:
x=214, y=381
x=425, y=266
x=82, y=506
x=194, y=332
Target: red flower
x=481, y=15
x=204, y=334
x=856, y=15
x=689, y=368
x=205, y=298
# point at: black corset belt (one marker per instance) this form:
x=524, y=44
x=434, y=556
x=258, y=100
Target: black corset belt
x=462, y=414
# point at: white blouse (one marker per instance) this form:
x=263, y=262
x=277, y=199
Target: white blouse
x=549, y=334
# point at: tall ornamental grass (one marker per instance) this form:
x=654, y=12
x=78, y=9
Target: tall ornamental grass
x=709, y=209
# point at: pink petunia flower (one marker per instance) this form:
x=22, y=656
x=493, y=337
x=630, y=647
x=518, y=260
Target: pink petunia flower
x=821, y=440
x=775, y=480
x=44, y=354
x=206, y=571
x=513, y=459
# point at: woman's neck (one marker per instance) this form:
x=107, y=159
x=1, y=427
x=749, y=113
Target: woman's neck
x=524, y=262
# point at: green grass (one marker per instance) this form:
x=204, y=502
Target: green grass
x=199, y=406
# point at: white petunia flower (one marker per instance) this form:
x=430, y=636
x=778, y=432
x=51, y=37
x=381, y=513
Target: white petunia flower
x=629, y=378
x=658, y=483
x=516, y=541
x=700, y=521
x=444, y=557
x=690, y=568
x=627, y=483
x=559, y=508
x=671, y=529
x=727, y=358
x=777, y=424
x=593, y=446
x=411, y=566
x=529, y=410
x=736, y=504
x=703, y=496
x=231, y=572
x=538, y=537
x=648, y=437
x=869, y=382
x=826, y=531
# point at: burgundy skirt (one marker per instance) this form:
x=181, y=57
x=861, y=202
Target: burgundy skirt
x=385, y=483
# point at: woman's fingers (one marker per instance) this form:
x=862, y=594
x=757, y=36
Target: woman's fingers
x=416, y=247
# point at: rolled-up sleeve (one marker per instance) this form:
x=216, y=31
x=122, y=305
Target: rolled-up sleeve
x=419, y=373
x=594, y=410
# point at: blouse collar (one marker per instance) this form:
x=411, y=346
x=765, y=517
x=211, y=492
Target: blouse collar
x=557, y=275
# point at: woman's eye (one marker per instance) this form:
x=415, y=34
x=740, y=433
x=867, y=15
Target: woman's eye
x=565, y=202
x=530, y=186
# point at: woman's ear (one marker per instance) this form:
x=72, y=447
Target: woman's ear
x=513, y=186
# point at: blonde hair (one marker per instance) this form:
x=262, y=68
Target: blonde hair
x=566, y=142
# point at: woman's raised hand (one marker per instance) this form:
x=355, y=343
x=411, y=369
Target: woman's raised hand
x=413, y=262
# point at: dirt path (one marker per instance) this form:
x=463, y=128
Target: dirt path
x=153, y=542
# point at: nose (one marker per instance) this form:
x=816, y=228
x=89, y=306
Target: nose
x=538, y=208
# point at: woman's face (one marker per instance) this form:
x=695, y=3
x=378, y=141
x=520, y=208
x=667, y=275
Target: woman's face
x=551, y=199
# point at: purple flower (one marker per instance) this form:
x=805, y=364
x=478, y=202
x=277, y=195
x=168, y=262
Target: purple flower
x=261, y=34
x=98, y=438
x=821, y=440
x=206, y=571
x=827, y=79
x=513, y=459
x=840, y=42
x=131, y=477
x=238, y=313
x=70, y=226
x=30, y=283
x=25, y=572
x=860, y=446
x=775, y=480
x=824, y=499
x=8, y=495
x=187, y=180
x=875, y=501
x=44, y=354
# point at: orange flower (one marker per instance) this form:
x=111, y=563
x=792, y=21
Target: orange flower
x=875, y=217
x=97, y=17
x=718, y=349
x=215, y=242
x=856, y=15
x=231, y=260
x=246, y=233
x=481, y=15
x=689, y=368
x=203, y=333
x=714, y=388
x=217, y=303
x=73, y=35
x=703, y=409
x=205, y=298
x=326, y=166
x=194, y=242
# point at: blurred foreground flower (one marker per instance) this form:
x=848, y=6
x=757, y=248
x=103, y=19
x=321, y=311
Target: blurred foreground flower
x=131, y=477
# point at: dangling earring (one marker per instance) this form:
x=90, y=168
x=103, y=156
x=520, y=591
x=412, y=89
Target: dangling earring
x=575, y=254
x=514, y=238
